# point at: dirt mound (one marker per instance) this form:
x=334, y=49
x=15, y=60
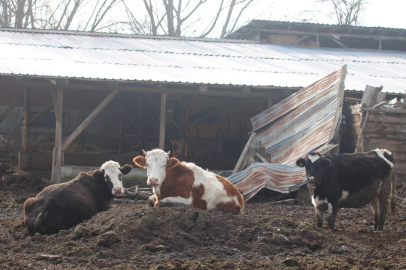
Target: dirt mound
x=135, y=236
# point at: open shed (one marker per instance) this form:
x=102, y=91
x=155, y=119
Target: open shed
x=113, y=95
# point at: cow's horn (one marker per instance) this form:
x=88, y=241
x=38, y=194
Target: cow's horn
x=145, y=153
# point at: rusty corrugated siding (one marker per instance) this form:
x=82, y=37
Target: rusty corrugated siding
x=305, y=121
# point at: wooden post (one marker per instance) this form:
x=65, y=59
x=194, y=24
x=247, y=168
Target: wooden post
x=88, y=120
x=244, y=152
x=57, y=153
x=140, y=140
x=26, y=116
x=162, y=122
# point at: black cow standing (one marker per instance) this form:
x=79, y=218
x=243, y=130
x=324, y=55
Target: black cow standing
x=351, y=181
x=61, y=206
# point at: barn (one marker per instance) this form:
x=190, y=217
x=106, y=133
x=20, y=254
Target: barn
x=78, y=99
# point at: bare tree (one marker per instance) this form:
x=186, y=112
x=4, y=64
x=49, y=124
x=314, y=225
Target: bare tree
x=60, y=15
x=347, y=12
x=177, y=18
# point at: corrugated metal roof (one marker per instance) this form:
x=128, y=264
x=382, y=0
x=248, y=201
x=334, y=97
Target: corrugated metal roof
x=305, y=121
x=48, y=54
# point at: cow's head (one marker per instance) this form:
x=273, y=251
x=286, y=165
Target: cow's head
x=112, y=174
x=156, y=162
x=313, y=163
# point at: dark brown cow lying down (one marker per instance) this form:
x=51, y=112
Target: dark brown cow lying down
x=61, y=206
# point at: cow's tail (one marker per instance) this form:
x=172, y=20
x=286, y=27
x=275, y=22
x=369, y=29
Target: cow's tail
x=392, y=198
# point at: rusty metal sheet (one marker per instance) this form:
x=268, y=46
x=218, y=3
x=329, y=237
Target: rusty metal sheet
x=267, y=175
x=305, y=121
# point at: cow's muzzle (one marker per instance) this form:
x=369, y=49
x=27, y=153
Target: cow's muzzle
x=152, y=181
x=311, y=180
x=118, y=191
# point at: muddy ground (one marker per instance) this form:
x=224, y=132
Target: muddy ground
x=133, y=235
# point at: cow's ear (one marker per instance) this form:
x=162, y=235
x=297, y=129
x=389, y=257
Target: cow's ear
x=300, y=162
x=140, y=161
x=325, y=163
x=98, y=174
x=172, y=163
x=126, y=169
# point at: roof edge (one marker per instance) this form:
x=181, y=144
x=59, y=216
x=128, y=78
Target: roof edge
x=64, y=32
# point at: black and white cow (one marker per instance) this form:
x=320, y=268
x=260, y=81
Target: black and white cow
x=61, y=206
x=351, y=181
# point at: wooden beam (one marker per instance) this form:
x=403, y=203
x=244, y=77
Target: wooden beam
x=89, y=119
x=244, y=152
x=170, y=118
x=162, y=122
x=11, y=107
x=211, y=92
x=338, y=42
x=26, y=117
x=298, y=40
x=57, y=153
x=49, y=108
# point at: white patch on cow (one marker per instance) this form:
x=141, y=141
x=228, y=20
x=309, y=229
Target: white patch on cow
x=156, y=167
x=313, y=158
x=344, y=194
x=379, y=188
x=112, y=169
x=330, y=208
x=178, y=199
x=316, y=202
x=380, y=153
x=214, y=192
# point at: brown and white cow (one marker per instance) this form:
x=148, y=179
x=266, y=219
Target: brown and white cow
x=61, y=206
x=185, y=183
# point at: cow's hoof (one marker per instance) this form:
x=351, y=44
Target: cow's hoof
x=151, y=201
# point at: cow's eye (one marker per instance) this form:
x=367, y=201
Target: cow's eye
x=120, y=176
x=164, y=165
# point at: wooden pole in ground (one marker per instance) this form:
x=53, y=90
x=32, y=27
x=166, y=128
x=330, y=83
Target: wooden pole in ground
x=244, y=152
x=26, y=118
x=57, y=96
x=162, y=122
x=89, y=119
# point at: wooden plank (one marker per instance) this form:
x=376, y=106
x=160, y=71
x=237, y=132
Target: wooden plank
x=385, y=110
x=268, y=92
x=369, y=99
x=369, y=96
x=337, y=41
x=89, y=119
x=371, y=144
x=387, y=118
x=389, y=128
x=11, y=107
x=50, y=107
x=162, y=122
x=261, y=157
x=299, y=40
x=244, y=152
x=57, y=152
x=381, y=97
x=26, y=117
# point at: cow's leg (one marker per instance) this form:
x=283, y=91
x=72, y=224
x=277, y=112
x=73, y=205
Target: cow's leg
x=319, y=217
x=375, y=209
x=383, y=207
x=332, y=210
